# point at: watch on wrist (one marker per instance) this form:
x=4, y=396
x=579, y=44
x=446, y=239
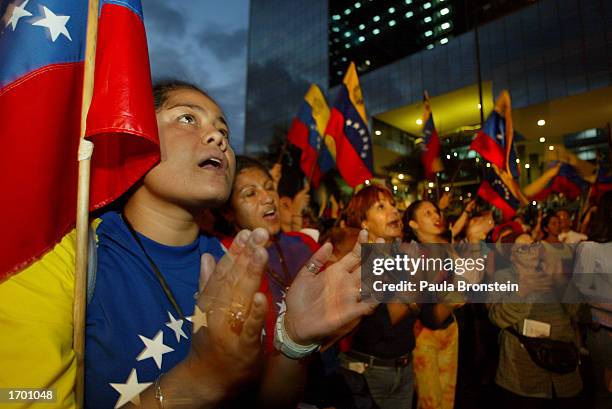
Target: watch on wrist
x=286, y=346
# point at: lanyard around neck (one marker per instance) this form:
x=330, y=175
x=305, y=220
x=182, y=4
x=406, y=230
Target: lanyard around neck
x=158, y=275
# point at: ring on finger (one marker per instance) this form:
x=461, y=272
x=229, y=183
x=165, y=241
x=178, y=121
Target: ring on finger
x=312, y=268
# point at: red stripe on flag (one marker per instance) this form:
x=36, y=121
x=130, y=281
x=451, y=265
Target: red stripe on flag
x=350, y=165
x=121, y=120
x=40, y=139
x=298, y=135
x=429, y=156
x=488, y=149
x=489, y=194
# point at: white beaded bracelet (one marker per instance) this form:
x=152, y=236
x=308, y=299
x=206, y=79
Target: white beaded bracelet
x=288, y=347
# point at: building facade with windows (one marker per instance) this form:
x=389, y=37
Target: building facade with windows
x=554, y=56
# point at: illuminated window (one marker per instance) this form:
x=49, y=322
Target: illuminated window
x=428, y=33
x=408, y=1
x=357, y=5
x=335, y=29
x=347, y=46
x=427, y=19
x=391, y=10
x=391, y=23
x=445, y=26
x=444, y=41
x=430, y=46
x=444, y=11
x=376, y=18
x=376, y=31
x=347, y=34
x=409, y=14
x=361, y=26
x=426, y=6
x=347, y=11
x=336, y=17
x=361, y=39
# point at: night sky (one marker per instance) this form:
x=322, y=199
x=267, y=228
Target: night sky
x=203, y=42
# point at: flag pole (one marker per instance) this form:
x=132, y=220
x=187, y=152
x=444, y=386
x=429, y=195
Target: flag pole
x=82, y=216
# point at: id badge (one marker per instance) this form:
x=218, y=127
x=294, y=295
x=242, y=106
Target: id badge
x=358, y=367
x=536, y=329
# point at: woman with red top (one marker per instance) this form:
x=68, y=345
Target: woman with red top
x=253, y=203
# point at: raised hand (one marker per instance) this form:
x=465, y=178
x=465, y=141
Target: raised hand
x=322, y=304
x=479, y=227
x=230, y=314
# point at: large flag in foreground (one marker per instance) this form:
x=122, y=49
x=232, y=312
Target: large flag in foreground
x=348, y=127
x=42, y=48
x=494, y=190
x=495, y=141
x=431, y=142
x=306, y=132
x=121, y=120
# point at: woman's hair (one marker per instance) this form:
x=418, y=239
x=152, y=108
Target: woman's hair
x=162, y=88
x=545, y=222
x=246, y=162
x=600, y=226
x=410, y=214
x=362, y=201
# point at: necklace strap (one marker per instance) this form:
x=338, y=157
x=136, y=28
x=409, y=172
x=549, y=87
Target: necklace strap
x=158, y=274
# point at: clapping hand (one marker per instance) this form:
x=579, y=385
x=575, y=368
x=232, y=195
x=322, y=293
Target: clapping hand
x=229, y=315
x=327, y=303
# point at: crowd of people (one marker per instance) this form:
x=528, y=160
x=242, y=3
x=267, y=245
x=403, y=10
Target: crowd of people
x=213, y=286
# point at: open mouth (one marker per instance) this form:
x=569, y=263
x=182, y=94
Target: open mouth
x=270, y=214
x=394, y=224
x=212, y=163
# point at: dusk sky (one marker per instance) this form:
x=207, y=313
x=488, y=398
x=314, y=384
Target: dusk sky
x=203, y=42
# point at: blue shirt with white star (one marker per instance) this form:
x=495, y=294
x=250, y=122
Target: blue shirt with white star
x=133, y=333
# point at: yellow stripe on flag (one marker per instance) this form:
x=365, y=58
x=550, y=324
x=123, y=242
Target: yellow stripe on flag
x=354, y=90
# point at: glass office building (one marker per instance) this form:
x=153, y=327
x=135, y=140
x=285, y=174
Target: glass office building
x=554, y=56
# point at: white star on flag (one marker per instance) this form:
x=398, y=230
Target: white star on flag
x=356, y=125
x=349, y=122
x=176, y=326
x=500, y=136
x=17, y=13
x=198, y=319
x=154, y=348
x=362, y=132
x=130, y=390
x=55, y=24
x=365, y=139
x=364, y=155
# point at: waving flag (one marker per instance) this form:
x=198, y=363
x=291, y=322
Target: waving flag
x=431, y=142
x=494, y=190
x=348, y=127
x=121, y=120
x=307, y=130
x=495, y=141
x=42, y=46
x=566, y=182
